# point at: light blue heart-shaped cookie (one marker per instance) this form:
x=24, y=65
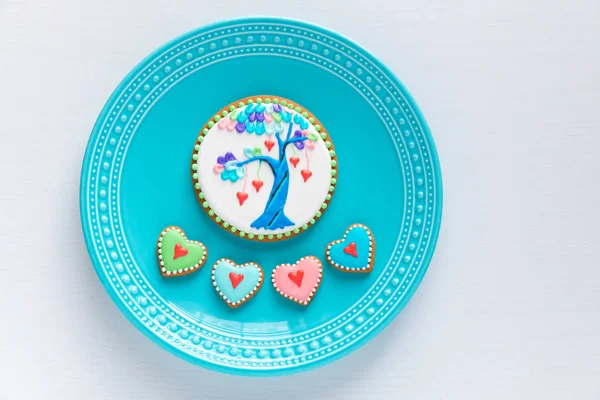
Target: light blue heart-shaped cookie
x=236, y=284
x=355, y=252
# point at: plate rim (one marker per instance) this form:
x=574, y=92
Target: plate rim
x=294, y=368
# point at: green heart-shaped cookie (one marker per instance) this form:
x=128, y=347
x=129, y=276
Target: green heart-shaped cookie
x=177, y=255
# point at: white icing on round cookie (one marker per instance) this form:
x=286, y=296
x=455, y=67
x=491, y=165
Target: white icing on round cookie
x=244, y=177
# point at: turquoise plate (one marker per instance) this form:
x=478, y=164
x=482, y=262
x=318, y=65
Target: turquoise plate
x=135, y=181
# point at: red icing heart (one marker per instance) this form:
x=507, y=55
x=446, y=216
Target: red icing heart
x=306, y=174
x=294, y=161
x=179, y=251
x=242, y=197
x=257, y=185
x=351, y=249
x=296, y=277
x=235, y=279
x=269, y=144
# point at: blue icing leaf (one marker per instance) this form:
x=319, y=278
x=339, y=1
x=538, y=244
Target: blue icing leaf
x=360, y=237
x=242, y=117
x=270, y=128
x=297, y=118
x=231, y=165
x=250, y=127
x=251, y=278
x=286, y=116
x=248, y=152
x=233, y=177
x=259, y=108
x=250, y=108
x=303, y=124
x=260, y=128
x=225, y=175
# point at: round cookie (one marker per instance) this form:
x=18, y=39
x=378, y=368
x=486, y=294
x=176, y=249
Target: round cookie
x=264, y=169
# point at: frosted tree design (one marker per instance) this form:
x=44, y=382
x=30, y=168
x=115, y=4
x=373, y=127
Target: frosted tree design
x=268, y=120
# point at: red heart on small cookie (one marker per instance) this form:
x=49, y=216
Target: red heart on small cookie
x=235, y=279
x=179, y=251
x=351, y=249
x=296, y=277
x=300, y=281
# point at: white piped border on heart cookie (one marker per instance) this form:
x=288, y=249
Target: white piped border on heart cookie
x=315, y=288
x=249, y=295
x=183, y=271
x=371, y=258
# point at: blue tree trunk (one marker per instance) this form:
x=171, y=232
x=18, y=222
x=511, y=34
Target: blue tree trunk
x=273, y=216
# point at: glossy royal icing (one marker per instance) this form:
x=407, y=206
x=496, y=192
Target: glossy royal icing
x=236, y=284
x=177, y=255
x=355, y=252
x=300, y=281
x=264, y=169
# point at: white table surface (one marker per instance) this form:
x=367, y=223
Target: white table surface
x=510, y=307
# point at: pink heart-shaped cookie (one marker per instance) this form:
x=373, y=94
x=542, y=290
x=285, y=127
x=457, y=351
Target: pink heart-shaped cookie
x=298, y=282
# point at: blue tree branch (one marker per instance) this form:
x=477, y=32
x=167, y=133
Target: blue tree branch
x=294, y=140
x=270, y=160
x=279, y=141
x=289, y=134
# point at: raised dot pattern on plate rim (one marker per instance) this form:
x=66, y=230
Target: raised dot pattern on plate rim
x=347, y=61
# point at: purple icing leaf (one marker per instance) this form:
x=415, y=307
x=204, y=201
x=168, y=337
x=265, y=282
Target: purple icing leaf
x=252, y=116
x=260, y=117
x=276, y=107
x=227, y=157
x=239, y=127
x=299, y=145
